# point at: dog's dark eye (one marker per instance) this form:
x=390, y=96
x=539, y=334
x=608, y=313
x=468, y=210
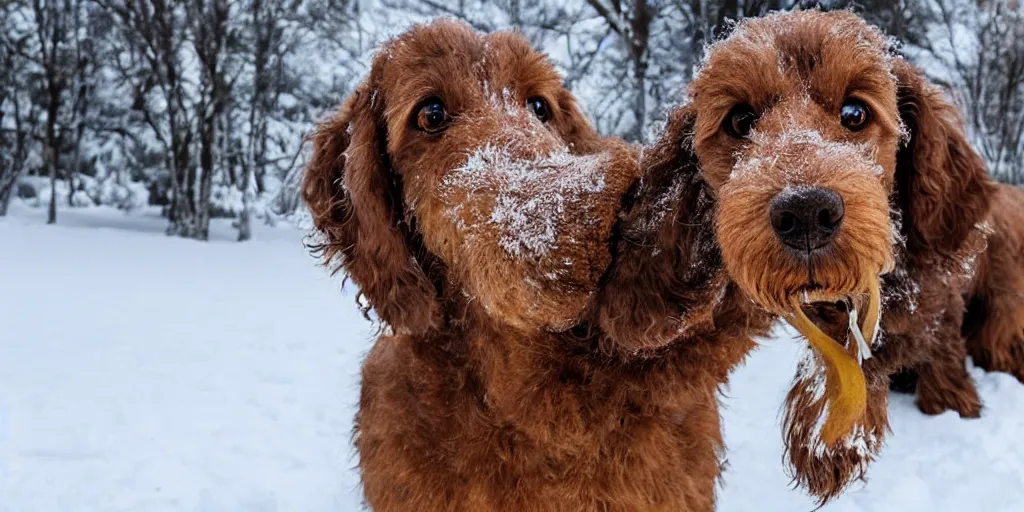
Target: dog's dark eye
x=740, y=121
x=540, y=108
x=854, y=115
x=432, y=116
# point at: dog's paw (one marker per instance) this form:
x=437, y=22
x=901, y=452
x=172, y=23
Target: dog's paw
x=952, y=390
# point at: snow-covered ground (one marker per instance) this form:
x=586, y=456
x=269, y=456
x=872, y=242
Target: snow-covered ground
x=146, y=373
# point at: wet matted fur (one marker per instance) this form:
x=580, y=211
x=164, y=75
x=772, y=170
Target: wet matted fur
x=915, y=195
x=521, y=368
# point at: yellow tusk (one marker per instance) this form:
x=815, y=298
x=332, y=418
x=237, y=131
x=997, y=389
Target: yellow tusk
x=870, y=326
x=845, y=387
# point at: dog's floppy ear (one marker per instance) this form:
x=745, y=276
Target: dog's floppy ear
x=356, y=203
x=666, y=275
x=941, y=180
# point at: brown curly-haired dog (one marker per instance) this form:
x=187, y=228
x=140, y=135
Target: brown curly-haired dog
x=995, y=300
x=462, y=191
x=833, y=161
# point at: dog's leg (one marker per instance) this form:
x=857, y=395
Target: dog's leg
x=997, y=340
x=943, y=382
x=903, y=381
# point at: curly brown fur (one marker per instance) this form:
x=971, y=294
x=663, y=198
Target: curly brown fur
x=826, y=470
x=914, y=193
x=995, y=316
x=402, y=211
x=667, y=260
x=481, y=397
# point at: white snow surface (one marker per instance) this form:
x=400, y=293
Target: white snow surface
x=146, y=373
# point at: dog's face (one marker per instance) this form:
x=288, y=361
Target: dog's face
x=815, y=139
x=465, y=111
x=797, y=129
x=462, y=167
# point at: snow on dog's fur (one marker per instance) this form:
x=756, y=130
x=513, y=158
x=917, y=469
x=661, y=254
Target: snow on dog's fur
x=912, y=193
x=520, y=371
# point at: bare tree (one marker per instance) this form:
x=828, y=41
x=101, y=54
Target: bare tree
x=631, y=20
x=18, y=115
x=979, y=49
x=208, y=20
x=663, y=43
x=57, y=26
x=905, y=20
x=273, y=39
x=153, y=34
x=82, y=92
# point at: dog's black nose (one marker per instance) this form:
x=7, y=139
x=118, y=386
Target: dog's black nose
x=806, y=218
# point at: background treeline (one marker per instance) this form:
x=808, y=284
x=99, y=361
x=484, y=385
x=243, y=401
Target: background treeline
x=200, y=107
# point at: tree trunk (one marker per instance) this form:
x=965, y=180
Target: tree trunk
x=7, y=181
x=5, y=199
x=8, y=173
x=182, y=214
x=208, y=138
x=50, y=154
x=70, y=175
x=244, y=223
x=51, y=216
x=639, y=100
x=639, y=44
